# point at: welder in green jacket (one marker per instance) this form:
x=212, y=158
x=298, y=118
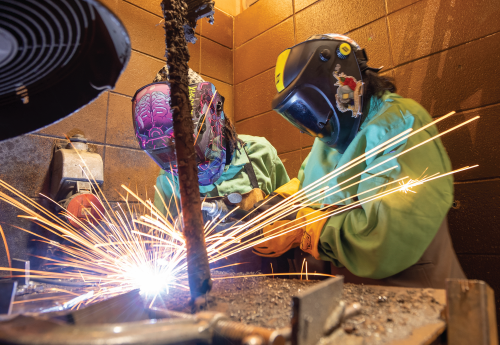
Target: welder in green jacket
x=326, y=89
x=266, y=165
x=244, y=167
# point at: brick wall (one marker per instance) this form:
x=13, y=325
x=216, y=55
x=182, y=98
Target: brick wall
x=442, y=53
x=107, y=122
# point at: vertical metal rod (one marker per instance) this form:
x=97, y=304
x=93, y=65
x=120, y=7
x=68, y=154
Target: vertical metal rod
x=175, y=13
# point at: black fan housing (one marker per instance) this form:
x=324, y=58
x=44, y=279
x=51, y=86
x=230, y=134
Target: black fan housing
x=56, y=56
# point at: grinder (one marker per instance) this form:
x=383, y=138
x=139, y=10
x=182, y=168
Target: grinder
x=76, y=174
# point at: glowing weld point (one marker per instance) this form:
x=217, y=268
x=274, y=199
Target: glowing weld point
x=151, y=279
x=407, y=186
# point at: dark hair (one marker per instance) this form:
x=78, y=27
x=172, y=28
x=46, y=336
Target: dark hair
x=376, y=85
x=232, y=137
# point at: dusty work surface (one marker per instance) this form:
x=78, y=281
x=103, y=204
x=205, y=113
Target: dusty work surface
x=388, y=313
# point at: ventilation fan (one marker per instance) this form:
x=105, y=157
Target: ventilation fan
x=56, y=56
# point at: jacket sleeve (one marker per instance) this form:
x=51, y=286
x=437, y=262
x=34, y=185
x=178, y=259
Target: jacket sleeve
x=280, y=175
x=164, y=191
x=390, y=234
x=270, y=171
x=300, y=174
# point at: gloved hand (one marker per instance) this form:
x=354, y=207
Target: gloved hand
x=305, y=235
x=275, y=198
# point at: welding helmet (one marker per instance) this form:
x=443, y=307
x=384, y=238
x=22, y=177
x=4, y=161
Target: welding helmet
x=154, y=130
x=320, y=88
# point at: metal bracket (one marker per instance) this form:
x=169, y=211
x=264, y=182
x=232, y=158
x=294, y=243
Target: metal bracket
x=23, y=277
x=312, y=308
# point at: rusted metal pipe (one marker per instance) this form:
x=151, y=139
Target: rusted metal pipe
x=175, y=14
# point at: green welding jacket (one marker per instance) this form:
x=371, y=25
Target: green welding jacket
x=269, y=170
x=387, y=235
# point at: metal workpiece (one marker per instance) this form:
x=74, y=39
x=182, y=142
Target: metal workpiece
x=175, y=13
x=22, y=277
x=471, y=315
x=312, y=311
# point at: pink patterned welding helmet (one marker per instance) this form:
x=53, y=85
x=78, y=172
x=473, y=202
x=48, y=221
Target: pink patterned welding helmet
x=154, y=128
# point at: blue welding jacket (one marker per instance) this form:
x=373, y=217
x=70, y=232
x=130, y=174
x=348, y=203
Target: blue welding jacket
x=390, y=234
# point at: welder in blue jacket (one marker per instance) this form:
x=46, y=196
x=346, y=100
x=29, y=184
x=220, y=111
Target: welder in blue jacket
x=326, y=89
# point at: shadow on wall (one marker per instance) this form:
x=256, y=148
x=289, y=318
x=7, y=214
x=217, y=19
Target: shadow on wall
x=443, y=81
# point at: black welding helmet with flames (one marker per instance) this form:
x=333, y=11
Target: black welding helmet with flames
x=320, y=88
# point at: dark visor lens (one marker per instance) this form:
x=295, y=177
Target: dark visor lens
x=164, y=157
x=300, y=116
x=308, y=110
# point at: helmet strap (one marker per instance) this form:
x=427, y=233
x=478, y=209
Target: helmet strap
x=229, y=153
x=362, y=59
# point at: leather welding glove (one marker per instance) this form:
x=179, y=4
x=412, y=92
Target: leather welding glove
x=276, y=197
x=305, y=235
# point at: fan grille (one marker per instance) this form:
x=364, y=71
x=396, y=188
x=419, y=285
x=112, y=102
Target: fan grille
x=48, y=34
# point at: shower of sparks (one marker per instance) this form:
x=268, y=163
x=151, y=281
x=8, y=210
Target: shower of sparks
x=138, y=247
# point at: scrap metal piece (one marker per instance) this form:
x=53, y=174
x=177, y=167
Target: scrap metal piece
x=312, y=308
x=333, y=321
x=351, y=310
x=471, y=312
x=341, y=337
x=7, y=292
x=22, y=277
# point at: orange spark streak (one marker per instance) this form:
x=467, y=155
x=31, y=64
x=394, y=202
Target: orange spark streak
x=36, y=299
x=204, y=117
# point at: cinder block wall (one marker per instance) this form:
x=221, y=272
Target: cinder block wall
x=442, y=53
x=107, y=122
